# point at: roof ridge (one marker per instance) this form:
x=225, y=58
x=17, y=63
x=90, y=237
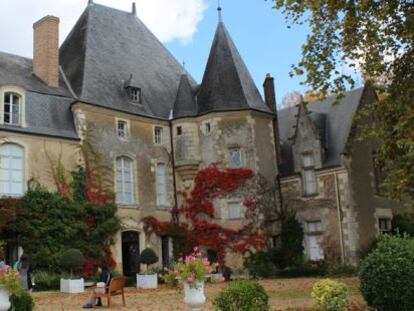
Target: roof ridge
x=16, y=55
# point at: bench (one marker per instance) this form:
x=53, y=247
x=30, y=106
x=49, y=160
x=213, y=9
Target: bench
x=115, y=288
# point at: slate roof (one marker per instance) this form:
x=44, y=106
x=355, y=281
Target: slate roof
x=47, y=108
x=105, y=47
x=227, y=84
x=333, y=121
x=185, y=104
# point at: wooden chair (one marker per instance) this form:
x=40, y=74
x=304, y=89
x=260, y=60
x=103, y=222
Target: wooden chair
x=115, y=288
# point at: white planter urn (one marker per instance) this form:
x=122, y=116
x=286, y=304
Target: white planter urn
x=147, y=280
x=194, y=296
x=4, y=299
x=72, y=286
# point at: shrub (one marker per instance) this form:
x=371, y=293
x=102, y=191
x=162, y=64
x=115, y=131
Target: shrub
x=259, y=264
x=330, y=295
x=23, y=302
x=341, y=270
x=387, y=274
x=148, y=257
x=72, y=260
x=45, y=280
x=243, y=295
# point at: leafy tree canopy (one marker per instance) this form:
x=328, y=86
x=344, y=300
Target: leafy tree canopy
x=375, y=38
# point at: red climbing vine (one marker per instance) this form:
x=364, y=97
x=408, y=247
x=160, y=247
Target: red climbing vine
x=197, y=215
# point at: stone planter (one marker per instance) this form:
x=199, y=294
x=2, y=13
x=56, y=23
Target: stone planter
x=147, y=280
x=194, y=296
x=4, y=299
x=72, y=286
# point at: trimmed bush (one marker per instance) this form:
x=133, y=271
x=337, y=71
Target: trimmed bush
x=46, y=280
x=23, y=302
x=243, y=295
x=72, y=260
x=148, y=257
x=330, y=295
x=259, y=264
x=387, y=274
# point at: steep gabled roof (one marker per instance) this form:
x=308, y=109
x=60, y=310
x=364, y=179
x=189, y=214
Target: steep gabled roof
x=185, y=105
x=104, y=48
x=334, y=118
x=227, y=84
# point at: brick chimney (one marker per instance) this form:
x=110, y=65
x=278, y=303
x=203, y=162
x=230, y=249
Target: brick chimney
x=46, y=50
x=270, y=101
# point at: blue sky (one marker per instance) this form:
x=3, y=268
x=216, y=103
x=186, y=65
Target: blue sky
x=261, y=35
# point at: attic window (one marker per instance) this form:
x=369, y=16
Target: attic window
x=135, y=94
x=179, y=130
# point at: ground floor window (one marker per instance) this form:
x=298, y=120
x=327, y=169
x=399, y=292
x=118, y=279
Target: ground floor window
x=384, y=225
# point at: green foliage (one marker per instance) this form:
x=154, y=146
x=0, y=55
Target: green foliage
x=259, y=264
x=291, y=238
x=148, y=257
x=377, y=38
x=72, y=260
x=246, y=295
x=403, y=224
x=387, y=274
x=23, y=302
x=330, y=295
x=46, y=280
x=51, y=223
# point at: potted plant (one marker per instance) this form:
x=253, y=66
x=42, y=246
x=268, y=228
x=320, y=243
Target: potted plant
x=149, y=278
x=72, y=261
x=9, y=285
x=192, y=271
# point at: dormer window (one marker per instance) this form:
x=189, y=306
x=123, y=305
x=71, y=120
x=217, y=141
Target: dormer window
x=135, y=95
x=12, y=108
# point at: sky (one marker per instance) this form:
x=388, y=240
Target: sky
x=186, y=27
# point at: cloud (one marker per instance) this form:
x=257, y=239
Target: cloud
x=167, y=19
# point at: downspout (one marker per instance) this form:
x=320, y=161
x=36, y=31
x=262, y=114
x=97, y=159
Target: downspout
x=338, y=207
x=173, y=169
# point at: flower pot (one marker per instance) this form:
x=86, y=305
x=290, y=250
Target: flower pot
x=147, y=280
x=194, y=296
x=72, y=286
x=4, y=299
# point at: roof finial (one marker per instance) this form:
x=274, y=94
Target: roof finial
x=184, y=72
x=90, y=2
x=220, y=17
x=134, y=8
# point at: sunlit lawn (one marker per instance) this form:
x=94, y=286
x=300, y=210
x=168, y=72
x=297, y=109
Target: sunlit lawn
x=283, y=293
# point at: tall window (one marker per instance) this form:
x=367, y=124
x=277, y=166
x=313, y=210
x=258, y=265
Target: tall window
x=161, y=179
x=122, y=129
x=12, y=104
x=235, y=157
x=158, y=135
x=308, y=174
x=11, y=170
x=379, y=174
x=124, y=181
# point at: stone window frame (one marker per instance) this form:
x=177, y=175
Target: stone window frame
x=162, y=205
x=134, y=181
x=158, y=137
x=308, y=168
x=388, y=221
x=135, y=95
x=127, y=128
x=19, y=92
x=23, y=169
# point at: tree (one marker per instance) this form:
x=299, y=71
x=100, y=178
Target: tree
x=291, y=100
x=375, y=37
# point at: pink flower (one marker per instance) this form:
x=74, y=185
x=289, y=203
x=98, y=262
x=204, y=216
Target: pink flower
x=180, y=259
x=165, y=269
x=217, y=264
x=190, y=279
x=195, y=249
x=176, y=272
x=199, y=254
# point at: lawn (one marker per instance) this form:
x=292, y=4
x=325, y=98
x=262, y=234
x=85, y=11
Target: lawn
x=283, y=293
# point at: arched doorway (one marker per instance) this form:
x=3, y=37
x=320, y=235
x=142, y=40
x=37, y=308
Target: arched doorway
x=130, y=252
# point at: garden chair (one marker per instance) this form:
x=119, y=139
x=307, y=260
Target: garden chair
x=115, y=288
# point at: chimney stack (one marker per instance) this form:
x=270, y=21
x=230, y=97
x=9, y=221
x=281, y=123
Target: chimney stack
x=270, y=101
x=134, y=8
x=46, y=50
